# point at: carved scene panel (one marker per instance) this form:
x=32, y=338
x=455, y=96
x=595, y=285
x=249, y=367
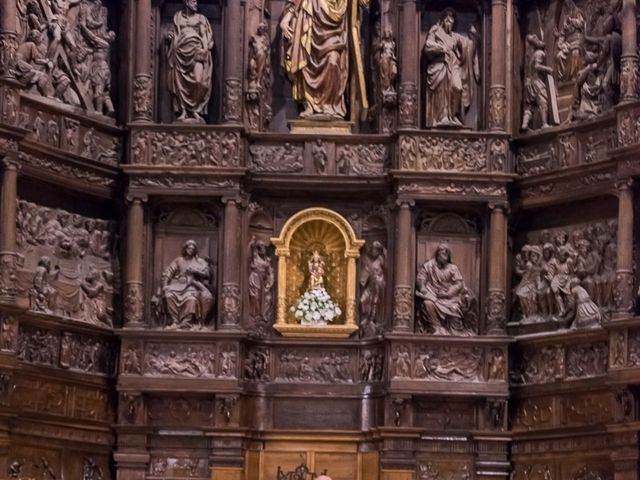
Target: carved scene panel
x=185, y=268
x=70, y=268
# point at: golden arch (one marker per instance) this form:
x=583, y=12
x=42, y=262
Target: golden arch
x=329, y=232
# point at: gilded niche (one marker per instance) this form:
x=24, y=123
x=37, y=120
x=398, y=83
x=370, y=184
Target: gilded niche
x=317, y=251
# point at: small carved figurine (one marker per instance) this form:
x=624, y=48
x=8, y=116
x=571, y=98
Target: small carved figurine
x=42, y=294
x=536, y=87
x=190, y=64
x=261, y=280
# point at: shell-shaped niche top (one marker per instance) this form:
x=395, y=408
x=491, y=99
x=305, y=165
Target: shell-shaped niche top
x=317, y=251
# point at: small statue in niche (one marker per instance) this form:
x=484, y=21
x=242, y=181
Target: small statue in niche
x=184, y=300
x=190, y=64
x=452, y=69
x=42, y=294
x=258, y=95
x=537, y=94
x=373, y=283
x=388, y=64
x=316, y=54
x=315, y=306
x=261, y=280
x=447, y=306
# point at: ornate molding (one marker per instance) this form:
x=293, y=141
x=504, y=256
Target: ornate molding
x=496, y=315
x=408, y=105
x=230, y=297
x=232, y=100
x=142, y=96
x=402, y=307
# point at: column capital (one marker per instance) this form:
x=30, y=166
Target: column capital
x=133, y=198
x=404, y=203
x=625, y=184
x=10, y=162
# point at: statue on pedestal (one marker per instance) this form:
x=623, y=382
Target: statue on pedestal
x=184, y=299
x=452, y=67
x=190, y=64
x=316, y=53
x=447, y=306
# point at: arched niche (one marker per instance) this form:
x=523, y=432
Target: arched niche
x=328, y=233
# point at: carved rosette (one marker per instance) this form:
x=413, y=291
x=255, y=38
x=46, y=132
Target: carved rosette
x=402, y=307
x=497, y=107
x=408, y=105
x=230, y=304
x=232, y=100
x=629, y=78
x=496, y=312
x=8, y=49
x=133, y=304
x=142, y=105
x=623, y=296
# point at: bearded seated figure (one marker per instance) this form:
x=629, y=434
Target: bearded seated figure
x=446, y=306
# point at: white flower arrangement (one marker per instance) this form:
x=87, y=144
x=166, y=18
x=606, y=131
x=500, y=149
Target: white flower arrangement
x=315, y=307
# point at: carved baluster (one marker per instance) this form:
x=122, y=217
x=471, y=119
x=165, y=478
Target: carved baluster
x=134, y=294
x=232, y=99
x=496, y=309
x=143, y=81
x=8, y=37
x=408, y=98
x=9, y=258
x=624, y=300
x=497, y=91
x=230, y=295
x=629, y=60
x=403, y=288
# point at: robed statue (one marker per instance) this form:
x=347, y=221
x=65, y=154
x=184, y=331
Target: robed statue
x=452, y=70
x=189, y=63
x=317, y=35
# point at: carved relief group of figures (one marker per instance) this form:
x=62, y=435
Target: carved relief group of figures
x=64, y=52
x=583, y=64
x=68, y=267
x=567, y=278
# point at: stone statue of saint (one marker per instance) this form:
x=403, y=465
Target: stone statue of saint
x=189, y=63
x=536, y=91
x=373, y=285
x=452, y=67
x=316, y=53
x=446, y=303
x=184, y=299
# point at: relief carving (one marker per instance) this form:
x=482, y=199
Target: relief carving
x=189, y=61
x=445, y=306
x=256, y=365
x=362, y=159
x=408, y=104
x=131, y=360
x=587, y=360
x=319, y=157
x=539, y=87
x=371, y=366
x=544, y=365
x=91, y=470
x=184, y=298
x=8, y=333
x=142, y=91
x=38, y=346
x=68, y=263
x=180, y=360
x=64, y=52
x=452, y=154
x=567, y=279
x=315, y=367
x=453, y=70
x=386, y=72
x=85, y=354
x=450, y=364
x=276, y=158
x=401, y=362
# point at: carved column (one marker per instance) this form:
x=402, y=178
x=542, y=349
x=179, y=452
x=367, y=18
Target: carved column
x=496, y=317
x=497, y=90
x=134, y=292
x=623, y=297
x=142, y=83
x=230, y=294
x=409, y=48
x=8, y=37
x=403, y=288
x=9, y=258
x=232, y=94
x=629, y=60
